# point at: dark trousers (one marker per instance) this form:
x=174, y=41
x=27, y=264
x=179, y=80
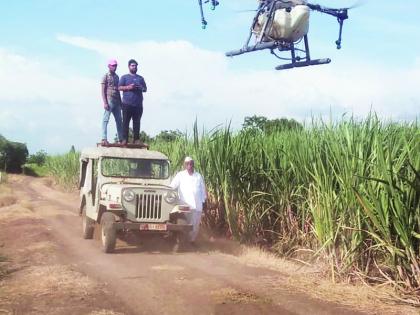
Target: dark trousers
x=134, y=113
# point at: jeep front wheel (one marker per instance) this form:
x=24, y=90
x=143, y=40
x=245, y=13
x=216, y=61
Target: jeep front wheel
x=88, y=225
x=108, y=232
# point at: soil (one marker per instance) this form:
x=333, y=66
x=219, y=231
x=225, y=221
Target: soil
x=47, y=268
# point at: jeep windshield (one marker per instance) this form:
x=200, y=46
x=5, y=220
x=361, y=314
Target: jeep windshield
x=135, y=168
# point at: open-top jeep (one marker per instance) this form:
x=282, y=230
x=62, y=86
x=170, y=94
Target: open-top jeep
x=127, y=189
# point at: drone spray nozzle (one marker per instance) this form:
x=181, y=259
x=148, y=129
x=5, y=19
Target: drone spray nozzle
x=338, y=43
x=203, y=24
x=214, y=4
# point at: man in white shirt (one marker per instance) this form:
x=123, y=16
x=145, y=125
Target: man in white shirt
x=192, y=191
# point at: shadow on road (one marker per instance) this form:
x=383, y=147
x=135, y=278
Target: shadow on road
x=156, y=244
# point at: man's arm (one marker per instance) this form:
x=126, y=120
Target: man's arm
x=103, y=92
x=144, y=87
x=175, y=182
x=122, y=85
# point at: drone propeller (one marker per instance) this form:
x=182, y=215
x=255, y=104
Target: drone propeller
x=214, y=4
x=245, y=11
x=357, y=4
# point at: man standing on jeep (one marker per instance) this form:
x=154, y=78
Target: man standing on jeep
x=133, y=86
x=192, y=191
x=111, y=100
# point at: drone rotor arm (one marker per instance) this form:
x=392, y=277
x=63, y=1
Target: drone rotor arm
x=340, y=14
x=203, y=20
x=256, y=47
x=338, y=41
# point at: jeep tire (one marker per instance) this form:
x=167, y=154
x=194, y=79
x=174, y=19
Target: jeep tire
x=88, y=225
x=108, y=232
x=181, y=238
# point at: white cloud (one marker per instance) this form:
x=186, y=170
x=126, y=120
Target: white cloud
x=52, y=111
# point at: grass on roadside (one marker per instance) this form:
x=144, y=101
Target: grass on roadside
x=3, y=177
x=33, y=169
x=64, y=168
x=3, y=258
x=3, y=269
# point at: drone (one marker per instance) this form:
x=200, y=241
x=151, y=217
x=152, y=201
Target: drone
x=281, y=25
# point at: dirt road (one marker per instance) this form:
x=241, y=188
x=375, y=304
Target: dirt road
x=52, y=270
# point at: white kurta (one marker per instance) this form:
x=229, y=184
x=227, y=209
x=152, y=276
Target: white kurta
x=192, y=191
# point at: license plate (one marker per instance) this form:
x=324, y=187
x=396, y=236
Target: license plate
x=153, y=227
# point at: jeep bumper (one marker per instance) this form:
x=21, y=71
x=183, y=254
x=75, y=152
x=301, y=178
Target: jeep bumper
x=153, y=227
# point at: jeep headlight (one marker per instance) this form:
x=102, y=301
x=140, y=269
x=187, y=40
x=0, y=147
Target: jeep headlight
x=128, y=195
x=170, y=196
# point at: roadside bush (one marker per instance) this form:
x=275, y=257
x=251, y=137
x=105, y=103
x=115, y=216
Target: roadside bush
x=38, y=158
x=33, y=169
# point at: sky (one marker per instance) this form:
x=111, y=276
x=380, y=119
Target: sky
x=53, y=54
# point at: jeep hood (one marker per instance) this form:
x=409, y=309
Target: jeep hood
x=113, y=190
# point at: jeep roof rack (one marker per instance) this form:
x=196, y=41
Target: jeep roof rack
x=128, y=145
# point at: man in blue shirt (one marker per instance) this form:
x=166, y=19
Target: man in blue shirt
x=133, y=86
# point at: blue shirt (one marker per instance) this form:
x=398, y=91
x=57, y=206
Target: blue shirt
x=133, y=97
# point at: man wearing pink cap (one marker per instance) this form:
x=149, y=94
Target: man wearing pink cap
x=112, y=101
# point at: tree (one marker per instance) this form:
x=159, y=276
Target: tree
x=38, y=158
x=267, y=126
x=12, y=155
x=169, y=135
x=255, y=122
x=282, y=124
x=144, y=137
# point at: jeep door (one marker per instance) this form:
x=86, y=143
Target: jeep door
x=89, y=187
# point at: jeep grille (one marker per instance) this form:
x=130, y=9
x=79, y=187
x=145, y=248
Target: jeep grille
x=149, y=206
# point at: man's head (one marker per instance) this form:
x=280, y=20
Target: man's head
x=189, y=165
x=132, y=66
x=112, y=65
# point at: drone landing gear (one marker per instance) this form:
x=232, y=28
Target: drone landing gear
x=301, y=61
x=298, y=64
x=296, y=61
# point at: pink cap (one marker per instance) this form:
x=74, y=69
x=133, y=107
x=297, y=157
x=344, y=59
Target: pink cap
x=112, y=62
